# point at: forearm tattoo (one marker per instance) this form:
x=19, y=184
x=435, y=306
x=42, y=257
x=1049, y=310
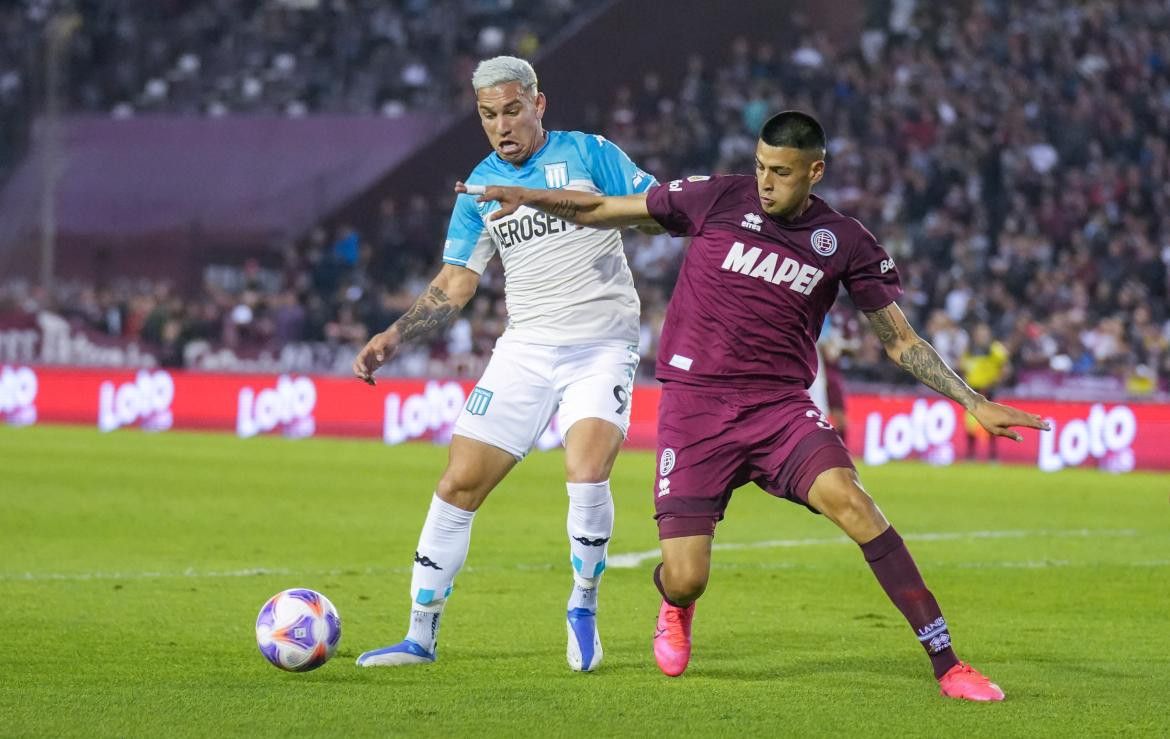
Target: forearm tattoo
x=430, y=312
x=566, y=209
x=920, y=359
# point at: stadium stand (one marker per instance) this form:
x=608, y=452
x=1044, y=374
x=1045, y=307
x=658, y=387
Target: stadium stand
x=1018, y=177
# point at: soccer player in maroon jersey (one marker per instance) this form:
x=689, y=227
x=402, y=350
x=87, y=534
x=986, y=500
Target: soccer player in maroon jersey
x=738, y=354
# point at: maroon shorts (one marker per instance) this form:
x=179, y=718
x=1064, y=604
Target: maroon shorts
x=711, y=442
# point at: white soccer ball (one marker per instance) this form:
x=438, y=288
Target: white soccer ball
x=298, y=630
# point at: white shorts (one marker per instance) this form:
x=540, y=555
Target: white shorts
x=525, y=384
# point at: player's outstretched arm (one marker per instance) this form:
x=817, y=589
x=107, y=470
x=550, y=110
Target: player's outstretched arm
x=434, y=309
x=915, y=355
x=582, y=208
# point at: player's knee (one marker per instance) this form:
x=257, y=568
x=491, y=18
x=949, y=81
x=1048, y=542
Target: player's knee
x=844, y=501
x=460, y=492
x=684, y=583
x=588, y=471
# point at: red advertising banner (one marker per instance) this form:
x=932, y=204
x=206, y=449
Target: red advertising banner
x=1118, y=437
x=1114, y=436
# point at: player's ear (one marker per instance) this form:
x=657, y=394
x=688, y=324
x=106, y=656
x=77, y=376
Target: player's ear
x=541, y=102
x=816, y=171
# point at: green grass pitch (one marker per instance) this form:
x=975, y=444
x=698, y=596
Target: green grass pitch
x=132, y=567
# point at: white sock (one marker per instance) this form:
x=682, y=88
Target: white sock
x=590, y=526
x=442, y=550
x=583, y=598
x=424, y=628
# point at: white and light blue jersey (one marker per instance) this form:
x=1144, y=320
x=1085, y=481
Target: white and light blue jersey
x=564, y=284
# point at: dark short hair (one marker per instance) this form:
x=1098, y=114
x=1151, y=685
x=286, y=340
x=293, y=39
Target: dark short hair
x=795, y=130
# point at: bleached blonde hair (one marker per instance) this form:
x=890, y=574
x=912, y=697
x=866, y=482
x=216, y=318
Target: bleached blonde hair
x=500, y=70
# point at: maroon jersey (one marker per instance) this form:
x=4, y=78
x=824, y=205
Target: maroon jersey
x=753, y=291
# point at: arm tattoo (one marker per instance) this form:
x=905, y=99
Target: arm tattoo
x=564, y=209
x=922, y=361
x=919, y=358
x=430, y=312
x=883, y=326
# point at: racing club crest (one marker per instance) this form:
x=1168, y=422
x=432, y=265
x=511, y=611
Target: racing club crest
x=556, y=175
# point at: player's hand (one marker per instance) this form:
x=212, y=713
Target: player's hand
x=999, y=419
x=374, y=354
x=509, y=198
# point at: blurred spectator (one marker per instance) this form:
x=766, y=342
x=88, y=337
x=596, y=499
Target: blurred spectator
x=1012, y=157
x=290, y=57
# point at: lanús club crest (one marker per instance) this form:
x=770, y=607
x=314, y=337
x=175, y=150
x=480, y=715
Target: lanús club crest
x=824, y=242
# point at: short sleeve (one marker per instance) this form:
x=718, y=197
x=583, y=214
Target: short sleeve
x=469, y=244
x=613, y=171
x=681, y=206
x=871, y=276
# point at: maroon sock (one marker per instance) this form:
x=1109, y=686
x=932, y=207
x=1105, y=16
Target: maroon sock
x=658, y=584
x=895, y=570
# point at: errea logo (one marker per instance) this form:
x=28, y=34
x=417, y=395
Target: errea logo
x=752, y=221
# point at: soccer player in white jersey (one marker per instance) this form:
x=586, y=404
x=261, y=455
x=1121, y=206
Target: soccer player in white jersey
x=570, y=349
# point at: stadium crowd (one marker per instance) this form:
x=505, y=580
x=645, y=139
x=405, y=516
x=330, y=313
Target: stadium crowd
x=1013, y=158
x=292, y=57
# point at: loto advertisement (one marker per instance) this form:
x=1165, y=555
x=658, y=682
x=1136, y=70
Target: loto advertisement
x=1116, y=437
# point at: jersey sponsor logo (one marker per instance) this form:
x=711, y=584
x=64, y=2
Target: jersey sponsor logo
x=666, y=462
x=887, y=265
x=478, y=401
x=677, y=185
x=801, y=278
x=638, y=179
x=824, y=242
x=556, y=175
x=752, y=222
x=529, y=226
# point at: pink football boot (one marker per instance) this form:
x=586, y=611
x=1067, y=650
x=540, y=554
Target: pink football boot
x=964, y=681
x=672, y=639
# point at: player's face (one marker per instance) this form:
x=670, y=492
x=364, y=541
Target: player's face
x=785, y=177
x=511, y=119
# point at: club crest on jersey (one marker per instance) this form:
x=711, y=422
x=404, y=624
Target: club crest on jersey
x=824, y=242
x=556, y=175
x=752, y=221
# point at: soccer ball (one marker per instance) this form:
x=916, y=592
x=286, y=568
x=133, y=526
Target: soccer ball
x=298, y=630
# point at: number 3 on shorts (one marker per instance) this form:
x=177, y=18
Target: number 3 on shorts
x=822, y=419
